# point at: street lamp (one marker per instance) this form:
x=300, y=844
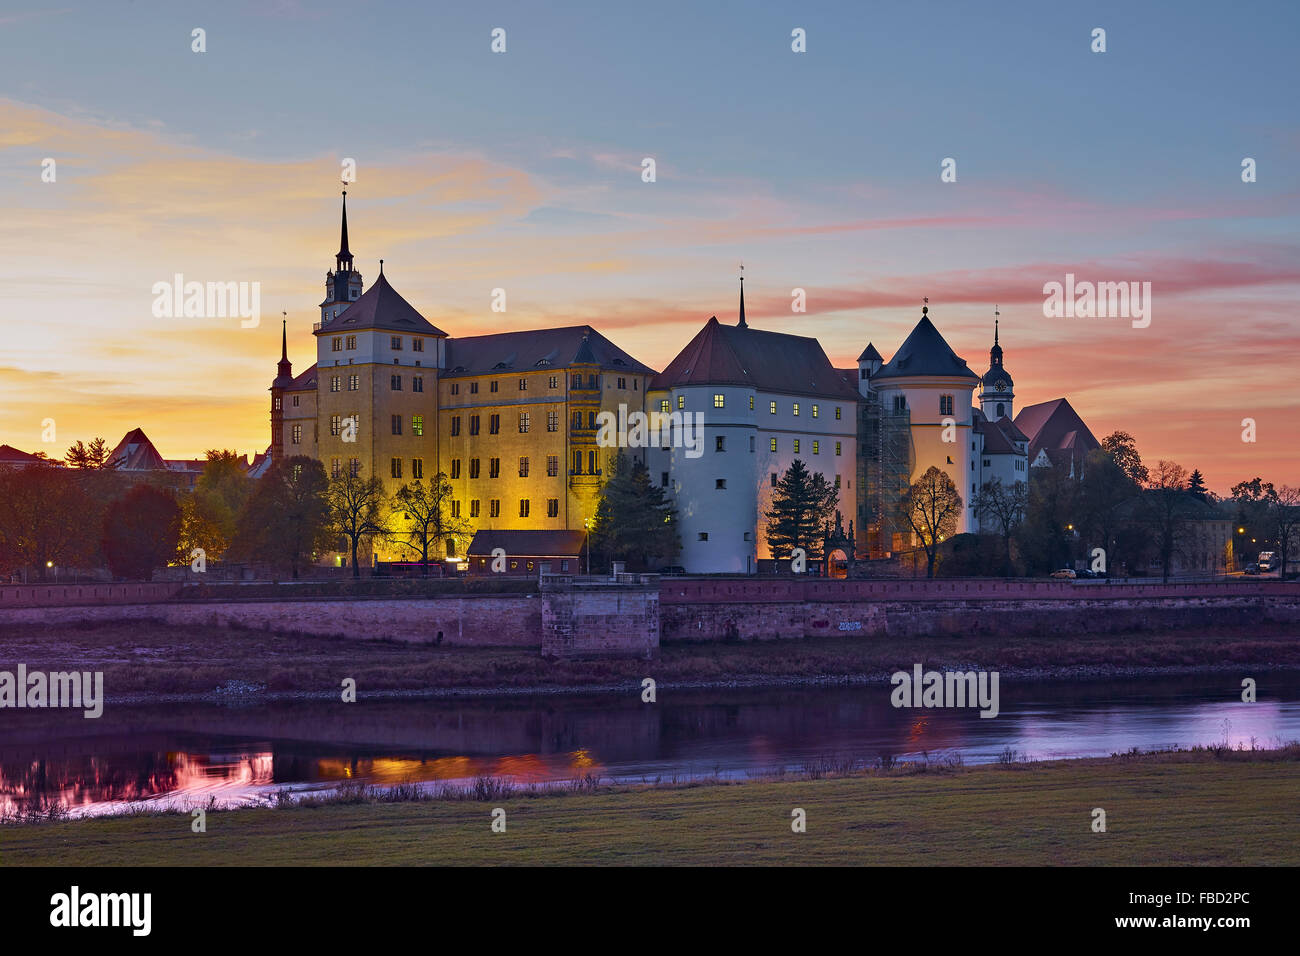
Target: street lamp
x=586, y=524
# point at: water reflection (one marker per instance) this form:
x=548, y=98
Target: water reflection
x=188, y=755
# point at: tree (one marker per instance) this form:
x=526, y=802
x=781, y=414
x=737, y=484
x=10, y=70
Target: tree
x=1196, y=485
x=1166, y=510
x=1284, y=510
x=356, y=508
x=43, y=519
x=94, y=455
x=427, y=509
x=1046, y=534
x=1122, y=447
x=1103, y=494
x=634, y=520
x=1253, y=499
x=286, y=518
x=1005, y=508
x=933, y=507
x=142, y=532
x=211, y=512
x=802, y=504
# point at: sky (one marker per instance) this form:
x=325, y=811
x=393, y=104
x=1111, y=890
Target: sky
x=522, y=170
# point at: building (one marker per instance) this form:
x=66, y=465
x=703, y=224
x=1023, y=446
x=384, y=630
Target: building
x=1057, y=436
x=764, y=399
x=11, y=457
x=525, y=552
x=510, y=418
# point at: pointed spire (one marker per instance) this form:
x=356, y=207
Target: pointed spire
x=995, y=353
x=344, y=257
x=284, y=370
x=741, y=323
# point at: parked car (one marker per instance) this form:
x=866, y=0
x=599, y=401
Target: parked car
x=673, y=569
x=1251, y=569
x=1065, y=574
x=1089, y=573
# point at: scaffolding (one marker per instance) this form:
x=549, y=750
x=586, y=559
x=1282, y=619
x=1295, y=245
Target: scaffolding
x=885, y=460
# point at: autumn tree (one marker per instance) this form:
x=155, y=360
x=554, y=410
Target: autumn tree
x=1122, y=447
x=1003, y=507
x=634, y=520
x=211, y=511
x=427, y=510
x=802, y=504
x=933, y=508
x=286, y=519
x=1166, y=510
x=356, y=509
x=94, y=455
x=1284, y=514
x=141, y=532
x=43, y=519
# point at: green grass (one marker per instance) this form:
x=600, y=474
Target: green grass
x=1199, y=809
x=148, y=658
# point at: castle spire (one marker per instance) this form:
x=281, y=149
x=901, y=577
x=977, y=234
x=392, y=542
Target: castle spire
x=995, y=353
x=284, y=370
x=344, y=258
x=741, y=323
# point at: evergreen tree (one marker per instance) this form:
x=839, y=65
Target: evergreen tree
x=1196, y=484
x=94, y=455
x=634, y=521
x=802, y=505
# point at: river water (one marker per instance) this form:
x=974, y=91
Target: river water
x=185, y=754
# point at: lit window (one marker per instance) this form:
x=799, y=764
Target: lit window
x=417, y=425
x=719, y=401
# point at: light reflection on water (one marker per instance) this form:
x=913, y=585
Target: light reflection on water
x=187, y=755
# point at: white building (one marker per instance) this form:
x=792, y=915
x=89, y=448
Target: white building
x=767, y=399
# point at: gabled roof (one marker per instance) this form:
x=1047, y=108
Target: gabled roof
x=1010, y=430
x=529, y=351
x=1055, y=425
x=528, y=544
x=755, y=358
x=135, y=452
x=869, y=354
x=380, y=307
x=925, y=353
x=10, y=455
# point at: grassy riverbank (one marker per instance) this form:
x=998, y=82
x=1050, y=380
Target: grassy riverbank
x=144, y=659
x=1204, y=808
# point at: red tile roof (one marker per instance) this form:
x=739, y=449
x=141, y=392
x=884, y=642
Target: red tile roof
x=531, y=350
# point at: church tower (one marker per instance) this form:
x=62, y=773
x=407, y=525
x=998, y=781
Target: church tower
x=283, y=379
x=996, y=394
x=343, y=283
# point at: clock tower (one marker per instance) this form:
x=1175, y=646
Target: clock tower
x=996, y=387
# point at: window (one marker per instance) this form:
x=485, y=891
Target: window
x=417, y=383
x=455, y=468
x=336, y=345
x=552, y=465
x=523, y=423
x=720, y=443
x=577, y=463
x=720, y=484
x=336, y=468
x=751, y=403
x=523, y=467
x=796, y=409
x=663, y=406
x=552, y=507
x=473, y=508
x=593, y=463
x=397, y=467
x=494, y=424
x=663, y=479
x=354, y=466
x=591, y=419
x=395, y=383
x=773, y=479
x=397, y=343
x=839, y=446
x=945, y=404
x=719, y=400
x=837, y=413
x=494, y=467
x=473, y=424
x=796, y=446
x=277, y=403
x=553, y=382
x=473, y=467
x=397, y=424
x=523, y=385
x=417, y=425
x=552, y=421
x=455, y=509
x=473, y=388
x=577, y=381
x=523, y=507
x=751, y=442
x=417, y=345
x=354, y=383
x=494, y=385
x=900, y=403
x=771, y=444
x=772, y=407
x=352, y=342
x=746, y=535
x=334, y=383
x=987, y=463
x=297, y=435
x=681, y=401
x=577, y=419
x=336, y=424
x=837, y=481
x=295, y=400
x=417, y=467
x=814, y=411
x=455, y=425
x=494, y=508
x=704, y=536
x=622, y=383
x=817, y=447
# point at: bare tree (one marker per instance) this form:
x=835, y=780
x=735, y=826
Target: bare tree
x=426, y=508
x=1166, y=510
x=1284, y=512
x=1005, y=507
x=932, y=507
x=356, y=510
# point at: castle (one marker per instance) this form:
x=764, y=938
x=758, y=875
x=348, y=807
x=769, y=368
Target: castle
x=512, y=420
